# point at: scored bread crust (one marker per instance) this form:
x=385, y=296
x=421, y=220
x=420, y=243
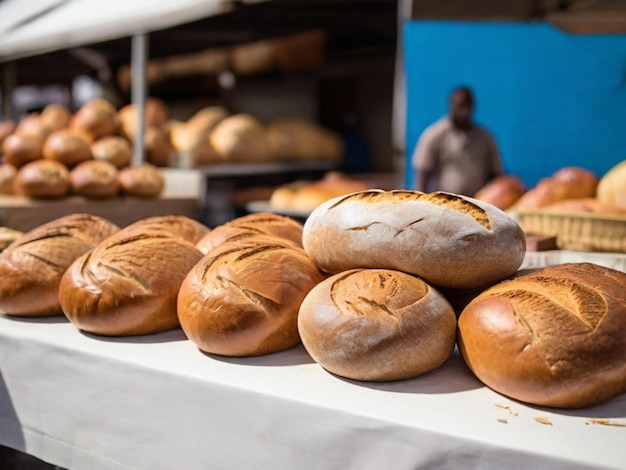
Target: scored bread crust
x=242, y=298
x=447, y=240
x=128, y=284
x=31, y=268
x=377, y=325
x=554, y=337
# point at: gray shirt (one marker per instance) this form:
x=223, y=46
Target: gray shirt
x=461, y=160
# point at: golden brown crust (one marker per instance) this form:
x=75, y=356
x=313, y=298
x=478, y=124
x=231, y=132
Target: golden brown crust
x=612, y=189
x=128, y=284
x=113, y=149
x=180, y=226
x=7, y=175
x=447, y=240
x=67, y=147
x=581, y=182
x=95, y=179
x=252, y=225
x=554, y=337
x=240, y=138
x=95, y=119
x=31, y=268
x=377, y=324
x=242, y=299
x=55, y=116
x=503, y=191
x=142, y=181
x=19, y=150
x=42, y=179
x=7, y=127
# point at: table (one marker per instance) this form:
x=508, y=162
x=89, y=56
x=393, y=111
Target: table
x=156, y=402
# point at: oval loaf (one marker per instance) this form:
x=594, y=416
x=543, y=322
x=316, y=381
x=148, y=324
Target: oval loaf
x=445, y=239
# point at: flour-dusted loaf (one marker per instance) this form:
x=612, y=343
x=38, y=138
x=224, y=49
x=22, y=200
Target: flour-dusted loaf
x=32, y=266
x=242, y=298
x=554, y=337
x=251, y=225
x=129, y=283
x=447, y=240
x=377, y=325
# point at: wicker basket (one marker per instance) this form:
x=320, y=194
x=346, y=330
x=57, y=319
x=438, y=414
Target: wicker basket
x=578, y=231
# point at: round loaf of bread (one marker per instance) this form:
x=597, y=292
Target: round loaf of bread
x=113, y=149
x=31, y=268
x=42, y=179
x=554, y=337
x=612, y=186
x=32, y=126
x=445, y=239
x=158, y=148
x=155, y=114
x=581, y=182
x=55, y=116
x=95, y=179
x=252, y=225
x=67, y=147
x=240, y=138
x=95, y=119
x=503, y=191
x=19, y=150
x=128, y=284
x=142, y=181
x=377, y=325
x=242, y=299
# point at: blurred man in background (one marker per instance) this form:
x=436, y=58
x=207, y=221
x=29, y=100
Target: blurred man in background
x=454, y=153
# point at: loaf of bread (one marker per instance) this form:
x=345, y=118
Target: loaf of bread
x=179, y=226
x=445, y=239
x=503, y=191
x=554, y=337
x=377, y=325
x=95, y=179
x=252, y=225
x=142, y=181
x=242, y=298
x=113, y=149
x=240, y=138
x=7, y=175
x=612, y=187
x=32, y=126
x=19, y=150
x=547, y=191
x=42, y=179
x=95, y=119
x=7, y=127
x=55, y=116
x=67, y=147
x=31, y=268
x=128, y=284
x=582, y=183
x=158, y=149
x=156, y=114
x=587, y=205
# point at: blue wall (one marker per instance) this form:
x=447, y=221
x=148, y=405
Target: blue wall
x=551, y=99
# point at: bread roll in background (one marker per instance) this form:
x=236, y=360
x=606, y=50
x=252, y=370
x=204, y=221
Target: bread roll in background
x=67, y=147
x=31, y=125
x=7, y=175
x=242, y=298
x=142, y=181
x=96, y=118
x=156, y=114
x=554, y=337
x=377, y=325
x=612, y=187
x=240, y=138
x=31, y=267
x=447, y=240
x=128, y=284
x=55, y=116
x=547, y=191
x=19, y=150
x=95, y=179
x=158, y=149
x=583, y=205
x=299, y=139
x=8, y=236
x=113, y=149
x=7, y=127
x=42, y=179
x=581, y=182
x=503, y=191
x=252, y=225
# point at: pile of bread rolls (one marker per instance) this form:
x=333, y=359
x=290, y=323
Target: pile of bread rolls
x=378, y=285
x=56, y=153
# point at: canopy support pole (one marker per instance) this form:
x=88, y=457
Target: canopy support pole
x=138, y=92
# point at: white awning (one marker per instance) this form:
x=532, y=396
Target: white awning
x=34, y=27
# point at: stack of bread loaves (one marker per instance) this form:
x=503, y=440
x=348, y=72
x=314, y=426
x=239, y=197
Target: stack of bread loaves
x=380, y=316
x=242, y=298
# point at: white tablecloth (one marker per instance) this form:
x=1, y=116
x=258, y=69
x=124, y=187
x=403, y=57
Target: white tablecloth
x=156, y=402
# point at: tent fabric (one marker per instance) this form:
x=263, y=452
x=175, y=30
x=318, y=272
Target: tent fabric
x=41, y=26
